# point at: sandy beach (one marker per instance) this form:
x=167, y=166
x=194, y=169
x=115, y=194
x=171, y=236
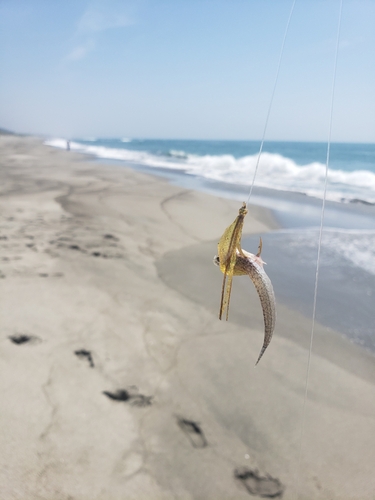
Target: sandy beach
x=118, y=381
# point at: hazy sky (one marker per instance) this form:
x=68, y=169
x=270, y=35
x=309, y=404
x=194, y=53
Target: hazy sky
x=186, y=68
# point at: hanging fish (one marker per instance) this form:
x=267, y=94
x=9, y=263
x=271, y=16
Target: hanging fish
x=234, y=261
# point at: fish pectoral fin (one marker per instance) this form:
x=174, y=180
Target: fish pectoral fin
x=225, y=295
x=226, y=288
x=260, y=246
x=222, y=296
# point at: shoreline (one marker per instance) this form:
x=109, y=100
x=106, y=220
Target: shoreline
x=292, y=209
x=183, y=175
x=297, y=212
x=108, y=273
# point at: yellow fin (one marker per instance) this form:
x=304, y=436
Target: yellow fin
x=229, y=244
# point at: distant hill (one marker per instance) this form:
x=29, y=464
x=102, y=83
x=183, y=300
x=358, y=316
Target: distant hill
x=3, y=131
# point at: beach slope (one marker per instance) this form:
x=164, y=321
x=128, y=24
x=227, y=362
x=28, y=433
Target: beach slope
x=117, y=378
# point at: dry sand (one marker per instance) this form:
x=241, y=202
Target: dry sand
x=118, y=381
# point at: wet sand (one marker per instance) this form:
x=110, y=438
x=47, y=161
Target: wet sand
x=117, y=378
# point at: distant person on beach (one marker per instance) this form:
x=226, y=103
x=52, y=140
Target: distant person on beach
x=68, y=145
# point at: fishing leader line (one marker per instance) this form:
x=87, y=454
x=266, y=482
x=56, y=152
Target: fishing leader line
x=271, y=102
x=303, y=418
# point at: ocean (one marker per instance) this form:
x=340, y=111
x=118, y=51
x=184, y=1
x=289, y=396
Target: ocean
x=290, y=181
x=290, y=166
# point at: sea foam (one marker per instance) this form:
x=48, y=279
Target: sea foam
x=274, y=171
x=357, y=246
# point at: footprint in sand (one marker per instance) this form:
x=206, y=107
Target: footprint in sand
x=110, y=237
x=22, y=338
x=99, y=254
x=54, y=275
x=134, y=398
x=75, y=247
x=82, y=353
x=193, y=432
x=261, y=486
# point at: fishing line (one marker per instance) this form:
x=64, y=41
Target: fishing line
x=303, y=419
x=271, y=102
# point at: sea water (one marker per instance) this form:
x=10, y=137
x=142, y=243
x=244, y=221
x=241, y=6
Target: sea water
x=289, y=166
x=290, y=181
x=346, y=286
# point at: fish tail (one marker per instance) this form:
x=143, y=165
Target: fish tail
x=261, y=352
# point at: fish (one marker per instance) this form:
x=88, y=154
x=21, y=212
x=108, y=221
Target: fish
x=235, y=261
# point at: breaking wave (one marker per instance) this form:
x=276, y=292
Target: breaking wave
x=275, y=171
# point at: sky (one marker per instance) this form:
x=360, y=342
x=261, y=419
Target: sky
x=187, y=69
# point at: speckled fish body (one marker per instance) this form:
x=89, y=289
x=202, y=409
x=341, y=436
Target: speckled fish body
x=252, y=265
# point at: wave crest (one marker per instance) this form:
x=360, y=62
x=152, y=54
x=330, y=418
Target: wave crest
x=275, y=171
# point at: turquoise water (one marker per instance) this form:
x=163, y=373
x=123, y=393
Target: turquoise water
x=346, y=288
x=288, y=166
x=344, y=156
